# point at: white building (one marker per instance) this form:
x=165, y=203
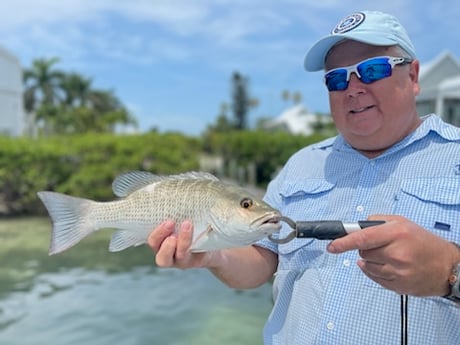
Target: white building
x=296, y=120
x=440, y=88
x=12, y=115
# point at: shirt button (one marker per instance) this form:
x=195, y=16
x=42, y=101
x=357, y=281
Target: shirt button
x=360, y=208
x=346, y=263
x=330, y=326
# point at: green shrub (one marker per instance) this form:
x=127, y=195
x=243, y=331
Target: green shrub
x=85, y=165
x=268, y=151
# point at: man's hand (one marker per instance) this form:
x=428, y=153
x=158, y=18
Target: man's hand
x=173, y=250
x=240, y=268
x=402, y=256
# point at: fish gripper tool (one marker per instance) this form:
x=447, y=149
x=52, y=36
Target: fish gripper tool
x=321, y=229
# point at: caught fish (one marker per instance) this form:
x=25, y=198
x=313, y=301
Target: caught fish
x=224, y=215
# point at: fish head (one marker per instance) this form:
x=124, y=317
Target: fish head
x=242, y=218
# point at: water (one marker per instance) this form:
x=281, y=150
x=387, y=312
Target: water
x=135, y=305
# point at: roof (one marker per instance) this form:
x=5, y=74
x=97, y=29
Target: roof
x=295, y=120
x=440, y=76
x=428, y=67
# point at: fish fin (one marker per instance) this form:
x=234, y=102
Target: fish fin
x=124, y=239
x=198, y=175
x=129, y=182
x=210, y=240
x=68, y=215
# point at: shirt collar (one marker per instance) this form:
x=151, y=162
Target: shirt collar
x=430, y=123
x=433, y=123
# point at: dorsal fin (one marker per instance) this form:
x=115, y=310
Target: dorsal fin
x=129, y=182
x=198, y=175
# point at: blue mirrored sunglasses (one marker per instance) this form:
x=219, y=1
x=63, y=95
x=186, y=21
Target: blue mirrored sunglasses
x=367, y=71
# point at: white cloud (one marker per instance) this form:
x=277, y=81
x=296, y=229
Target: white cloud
x=191, y=44
x=21, y=13
x=161, y=29
x=179, y=16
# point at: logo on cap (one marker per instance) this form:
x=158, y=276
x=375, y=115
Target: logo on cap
x=349, y=23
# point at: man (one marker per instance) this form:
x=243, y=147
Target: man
x=387, y=163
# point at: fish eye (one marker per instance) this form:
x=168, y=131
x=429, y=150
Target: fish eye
x=246, y=203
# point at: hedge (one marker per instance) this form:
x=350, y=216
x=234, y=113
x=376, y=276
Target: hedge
x=85, y=165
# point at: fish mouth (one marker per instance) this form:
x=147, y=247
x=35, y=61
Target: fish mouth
x=268, y=223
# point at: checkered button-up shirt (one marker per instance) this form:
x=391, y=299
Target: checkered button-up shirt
x=322, y=298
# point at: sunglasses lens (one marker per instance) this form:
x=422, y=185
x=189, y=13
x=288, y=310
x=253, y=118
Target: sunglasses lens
x=374, y=69
x=367, y=71
x=336, y=80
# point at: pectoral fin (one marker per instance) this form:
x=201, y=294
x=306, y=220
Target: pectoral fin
x=210, y=240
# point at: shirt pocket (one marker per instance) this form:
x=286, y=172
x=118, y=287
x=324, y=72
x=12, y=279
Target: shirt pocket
x=433, y=203
x=303, y=200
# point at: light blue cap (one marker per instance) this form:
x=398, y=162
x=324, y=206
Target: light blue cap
x=370, y=27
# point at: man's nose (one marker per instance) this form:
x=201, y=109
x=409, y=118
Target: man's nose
x=355, y=86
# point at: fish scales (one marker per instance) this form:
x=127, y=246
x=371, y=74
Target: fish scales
x=145, y=207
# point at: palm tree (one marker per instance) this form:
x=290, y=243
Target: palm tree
x=242, y=103
x=66, y=102
x=93, y=110
x=285, y=95
x=76, y=89
x=41, y=90
x=111, y=110
x=41, y=84
x=297, y=97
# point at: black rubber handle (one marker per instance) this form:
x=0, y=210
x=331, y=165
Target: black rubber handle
x=330, y=229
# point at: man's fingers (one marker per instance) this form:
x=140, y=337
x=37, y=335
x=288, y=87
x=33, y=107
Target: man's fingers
x=184, y=240
x=158, y=235
x=369, y=238
x=165, y=256
x=171, y=249
x=356, y=240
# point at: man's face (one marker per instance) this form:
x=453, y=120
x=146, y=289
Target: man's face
x=373, y=117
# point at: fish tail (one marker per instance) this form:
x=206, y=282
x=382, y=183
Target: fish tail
x=69, y=217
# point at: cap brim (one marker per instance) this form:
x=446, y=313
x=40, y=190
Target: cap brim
x=315, y=58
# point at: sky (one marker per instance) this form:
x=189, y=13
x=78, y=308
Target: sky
x=170, y=62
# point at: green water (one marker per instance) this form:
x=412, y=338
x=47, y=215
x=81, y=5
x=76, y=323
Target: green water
x=90, y=296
